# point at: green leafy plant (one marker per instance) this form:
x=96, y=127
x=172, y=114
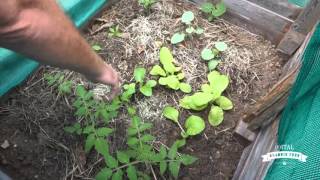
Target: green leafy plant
x=114, y=31
x=186, y=18
x=210, y=93
x=213, y=55
x=194, y=125
x=96, y=47
x=146, y=3
x=170, y=75
x=213, y=10
x=60, y=81
x=145, y=88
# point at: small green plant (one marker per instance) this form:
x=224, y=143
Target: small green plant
x=170, y=74
x=96, y=47
x=114, y=31
x=59, y=80
x=210, y=93
x=194, y=124
x=186, y=19
x=213, y=11
x=146, y=3
x=213, y=55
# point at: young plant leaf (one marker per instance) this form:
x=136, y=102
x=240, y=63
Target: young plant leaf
x=180, y=76
x=215, y=116
x=187, y=159
x=101, y=146
x=89, y=142
x=163, y=81
x=184, y=87
x=163, y=167
x=213, y=64
x=207, y=7
x=187, y=17
x=111, y=161
x=174, y=167
x=190, y=30
x=171, y=113
x=102, y=132
x=139, y=74
x=151, y=83
x=194, y=125
x=104, y=174
x=118, y=175
x=123, y=157
x=96, y=47
x=199, y=31
x=173, y=82
x=224, y=102
x=206, y=54
x=219, y=9
x=217, y=81
x=206, y=88
x=147, y=138
x=132, y=173
x=221, y=46
x=177, y=38
x=163, y=152
x=157, y=71
x=166, y=59
x=146, y=90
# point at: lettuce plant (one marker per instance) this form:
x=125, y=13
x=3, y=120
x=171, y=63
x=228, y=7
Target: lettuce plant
x=213, y=55
x=210, y=94
x=194, y=125
x=213, y=10
x=170, y=75
x=186, y=19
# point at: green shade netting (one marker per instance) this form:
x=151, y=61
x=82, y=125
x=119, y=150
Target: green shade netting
x=14, y=68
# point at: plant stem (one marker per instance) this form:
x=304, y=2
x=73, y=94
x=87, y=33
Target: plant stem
x=126, y=165
x=181, y=127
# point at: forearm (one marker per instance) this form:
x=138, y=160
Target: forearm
x=44, y=33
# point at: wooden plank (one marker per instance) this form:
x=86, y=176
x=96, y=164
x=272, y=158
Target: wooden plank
x=256, y=19
x=300, y=28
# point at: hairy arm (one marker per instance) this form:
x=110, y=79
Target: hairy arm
x=39, y=29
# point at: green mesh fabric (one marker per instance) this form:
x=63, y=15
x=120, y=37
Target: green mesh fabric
x=300, y=123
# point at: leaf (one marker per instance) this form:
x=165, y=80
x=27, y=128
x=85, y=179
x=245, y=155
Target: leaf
x=163, y=81
x=206, y=54
x=101, y=146
x=187, y=17
x=88, y=129
x=177, y=38
x=187, y=159
x=118, y=175
x=163, y=152
x=69, y=129
x=104, y=174
x=224, y=102
x=171, y=113
x=207, y=7
x=96, y=47
x=139, y=74
x=163, y=167
x=180, y=76
x=201, y=98
x=215, y=116
x=132, y=173
x=123, y=157
x=166, y=60
x=103, y=132
x=199, y=31
x=217, y=81
x=194, y=125
x=65, y=87
x=179, y=143
x=145, y=126
x=147, y=138
x=80, y=91
x=172, y=151
x=221, y=46
x=174, y=167
x=90, y=141
x=184, y=87
x=151, y=83
x=111, y=161
x=219, y=9
x=173, y=82
x=132, y=141
x=190, y=30
x=206, y=88
x=157, y=71
x=213, y=64
x=146, y=90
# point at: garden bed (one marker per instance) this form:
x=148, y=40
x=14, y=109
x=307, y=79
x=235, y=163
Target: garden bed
x=33, y=116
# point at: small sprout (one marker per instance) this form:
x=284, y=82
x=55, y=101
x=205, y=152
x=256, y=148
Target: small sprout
x=139, y=74
x=190, y=30
x=194, y=125
x=207, y=54
x=199, y=31
x=177, y=38
x=114, y=31
x=96, y=47
x=184, y=87
x=221, y=46
x=213, y=64
x=224, y=102
x=215, y=116
x=213, y=11
x=171, y=113
x=146, y=3
x=187, y=17
x=157, y=71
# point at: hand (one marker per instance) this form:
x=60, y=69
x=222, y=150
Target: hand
x=109, y=77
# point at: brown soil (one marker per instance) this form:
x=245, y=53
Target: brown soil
x=33, y=115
